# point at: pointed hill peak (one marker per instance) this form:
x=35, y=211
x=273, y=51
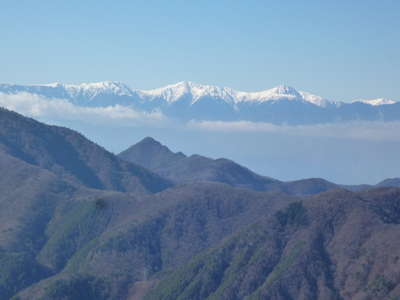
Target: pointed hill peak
x=150, y=154
x=148, y=144
x=148, y=140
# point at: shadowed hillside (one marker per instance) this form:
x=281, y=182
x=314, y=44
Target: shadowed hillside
x=70, y=155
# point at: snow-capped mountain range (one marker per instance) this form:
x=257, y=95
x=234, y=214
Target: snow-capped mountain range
x=188, y=100
x=175, y=92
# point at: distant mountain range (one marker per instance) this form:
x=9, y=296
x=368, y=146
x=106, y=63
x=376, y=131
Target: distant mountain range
x=191, y=101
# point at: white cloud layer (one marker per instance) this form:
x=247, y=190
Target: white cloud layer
x=360, y=130
x=59, y=110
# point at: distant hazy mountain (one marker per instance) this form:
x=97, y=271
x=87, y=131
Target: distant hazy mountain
x=389, y=182
x=187, y=100
x=185, y=169
x=151, y=154
x=180, y=168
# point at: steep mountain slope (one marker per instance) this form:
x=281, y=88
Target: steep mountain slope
x=72, y=156
x=29, y=197
x=338, y=245
x=46, y=172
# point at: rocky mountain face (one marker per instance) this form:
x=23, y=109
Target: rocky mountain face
x=191, y=101
x=77, y=222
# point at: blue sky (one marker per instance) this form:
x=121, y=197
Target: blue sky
x=337, y=49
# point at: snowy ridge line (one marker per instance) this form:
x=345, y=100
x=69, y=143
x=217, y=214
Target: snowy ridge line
x=184, y=90
x=376, y=102
x=174, y=92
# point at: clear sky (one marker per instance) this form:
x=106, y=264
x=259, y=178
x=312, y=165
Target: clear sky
x=337, y=49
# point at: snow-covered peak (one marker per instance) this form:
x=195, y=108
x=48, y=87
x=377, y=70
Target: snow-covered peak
x=99, y=93
x=277, y=93
x=284, y=90
x=95, y=88
x=89, y=90
x=170, y=92
x=193, y=91
x=314, y=99
x=281, y=92
x=187, y=91
x=376, y=102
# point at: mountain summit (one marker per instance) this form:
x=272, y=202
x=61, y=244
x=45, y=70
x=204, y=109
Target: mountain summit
x=150, y=154
x=194, y=91
x=180, y=168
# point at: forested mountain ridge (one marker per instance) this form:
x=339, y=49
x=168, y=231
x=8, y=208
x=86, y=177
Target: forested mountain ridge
x=70, y=155
x=77, y=222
